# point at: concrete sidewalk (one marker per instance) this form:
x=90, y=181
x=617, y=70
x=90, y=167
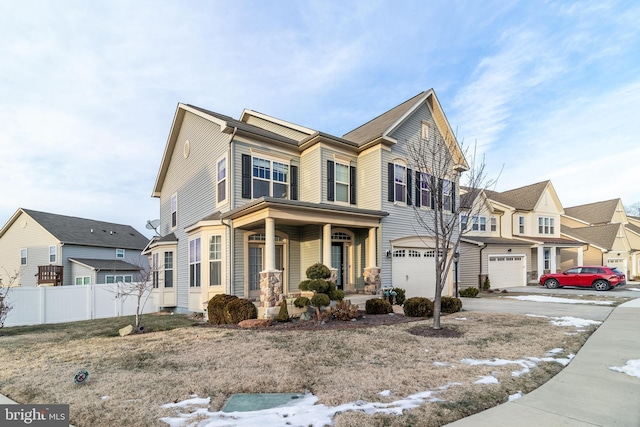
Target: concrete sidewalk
x=586, y=392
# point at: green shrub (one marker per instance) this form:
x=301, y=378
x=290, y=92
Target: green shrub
x=304, y=285
x=469, y=292
x=216, y=307
x=486, y=285
x=400, y=295
x=301, y=302
x=336, y=295
x=240, y=309
x=343, y=310
x=318, y=271
x=418, y=307
x=283, y=314
x=450, y=305
x=319, y=286
x=378, y=306
x=320, y=300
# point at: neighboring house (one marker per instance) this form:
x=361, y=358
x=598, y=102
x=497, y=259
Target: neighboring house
x=613, y=238
x=49, y=249
x=514, y=238
x=246, y=206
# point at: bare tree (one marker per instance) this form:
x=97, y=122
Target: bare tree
x=5, y=288
x=140, y=287
x=438, y=163
x=633, y=209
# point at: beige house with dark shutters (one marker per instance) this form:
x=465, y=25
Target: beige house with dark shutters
x=248, y=204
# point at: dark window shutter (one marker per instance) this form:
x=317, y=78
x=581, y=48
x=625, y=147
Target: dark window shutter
x=294, y=183
x=409, y=186
x=453, y=196
x=331, y=177
x=390, y=186
x=246, y=176
x=352, y=184
x=418, y=192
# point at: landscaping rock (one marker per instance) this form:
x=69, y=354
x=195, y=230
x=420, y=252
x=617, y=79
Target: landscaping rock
x=127, y=330
x=255, y=323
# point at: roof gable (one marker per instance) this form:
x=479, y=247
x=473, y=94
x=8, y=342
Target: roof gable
x=595, y=213
x=88, y=232
x=525, y=198
x=603, y=236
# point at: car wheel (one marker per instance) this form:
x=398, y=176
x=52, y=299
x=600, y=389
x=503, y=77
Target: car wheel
x=552, y=284
x=601, y=285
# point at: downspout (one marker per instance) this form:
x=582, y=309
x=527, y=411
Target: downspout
x=480, y=275
x=231, y=206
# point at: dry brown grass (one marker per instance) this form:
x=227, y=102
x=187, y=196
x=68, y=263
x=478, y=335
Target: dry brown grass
x=139, y=373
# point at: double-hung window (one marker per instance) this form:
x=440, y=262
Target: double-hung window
x=446, y=195
x=168, y=269
x=83, y=280
x=174, y=210
x=194, y=262
x=267, y=173
x=342, y=183
x=400, y=183
x=23, y=257
x=546, y=225
x=494, y=223
x=120, y=253
x=215, y=260
x=222, y=180
x=155, y=275
x=425, y=189
x=464, y=222
x=521, y=225
x=479, y=223
x=52, y=254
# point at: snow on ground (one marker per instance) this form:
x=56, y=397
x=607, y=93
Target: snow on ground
x=527, y=363
x=633, y=289
x=542, y=298
x=303, y=412
x=515, y=396
x=488, y=379
x=632, y=368
x=569, y=321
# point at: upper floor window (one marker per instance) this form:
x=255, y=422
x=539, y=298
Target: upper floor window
x=464, y=222
x=341, y=182
x=194, y=262
x=447, y=195
x=268, y=178
x=479, y=223
x=168, y=269
x=400, y=183
x=120, y=253
x=493, y=223
x=425, y=190
x=222, y=180
x=546, y=225
x=174, y=210
x=215, y=260
x=52, y=254
x=23, y=257
x=521, y=225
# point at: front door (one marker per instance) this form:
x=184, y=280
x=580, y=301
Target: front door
x=337, y=262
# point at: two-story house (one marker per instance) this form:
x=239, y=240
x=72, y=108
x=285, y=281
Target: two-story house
x=514, y=238
x=612, y=238
x=246, y=206
x=53, y=250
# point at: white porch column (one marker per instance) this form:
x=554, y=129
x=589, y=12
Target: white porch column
x=553, y=258
x=540, y=261
x=581, y=255
x=371, y=255
x=269, y=244
x=326, y=245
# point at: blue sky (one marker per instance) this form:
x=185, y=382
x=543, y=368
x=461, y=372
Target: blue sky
x=547, y=89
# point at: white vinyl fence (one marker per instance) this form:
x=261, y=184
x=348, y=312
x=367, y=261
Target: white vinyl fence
x=58, y=304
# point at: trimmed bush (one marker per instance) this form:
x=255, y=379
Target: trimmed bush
x=486, y=285
x=320, y=286
x=318, y=271
x=377, y=306
x=320, y=300
x=418, y=307
x=469, y=292
x=304, y=285
x=450, y=305
x=240, y=309
x=400, y=295
x=336, y=295
x=283, y=314
x=216, y=307
x=301, y=302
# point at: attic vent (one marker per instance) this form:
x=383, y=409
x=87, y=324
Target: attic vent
x=92, y=230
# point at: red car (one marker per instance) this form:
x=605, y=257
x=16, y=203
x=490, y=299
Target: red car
x=598, y=277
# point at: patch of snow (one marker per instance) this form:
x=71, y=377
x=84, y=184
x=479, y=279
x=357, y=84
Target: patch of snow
x=527, y=363
x=554, y=351
x=569, y=321
x=441, y=364
x=633, y=289
x=460, y=318
x=632, y=368
x=302, y=412
x=489, y=379
x=542, y=298
x=385, y=393
x=104, y=397
x=515, y=396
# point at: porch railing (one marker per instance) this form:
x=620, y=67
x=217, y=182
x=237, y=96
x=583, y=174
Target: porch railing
x=50, y=275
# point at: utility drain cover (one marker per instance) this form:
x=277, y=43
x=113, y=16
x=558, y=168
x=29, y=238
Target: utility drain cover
x=245, y=402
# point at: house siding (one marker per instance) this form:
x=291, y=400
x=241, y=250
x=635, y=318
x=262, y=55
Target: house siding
x=131, y=256
x=276, y=128
x=32, y=237
x=310, y=173
x=310, y=248
x=469, y=266
x=370, y=183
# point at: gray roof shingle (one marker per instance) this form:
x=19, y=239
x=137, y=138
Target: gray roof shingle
x=89, y=232
x=594, y=213
x=523, y=198
x=107, y=264
x=600, y=235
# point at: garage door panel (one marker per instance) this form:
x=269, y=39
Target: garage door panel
x=507, y=271
x=414, y=271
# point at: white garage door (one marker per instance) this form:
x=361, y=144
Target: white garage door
x=507, y=271
x=414, y=270
x=619, y=263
